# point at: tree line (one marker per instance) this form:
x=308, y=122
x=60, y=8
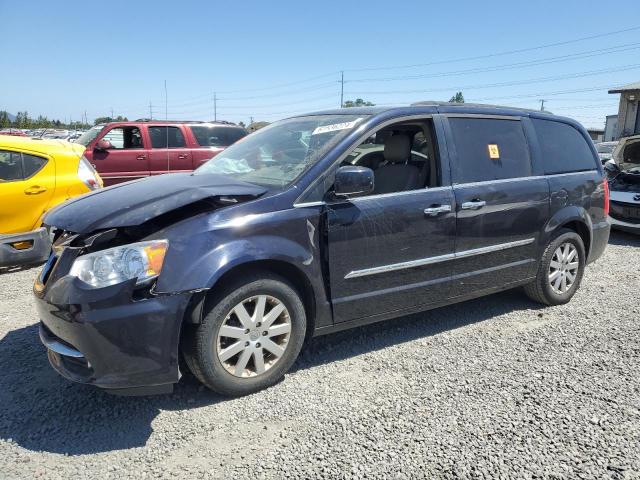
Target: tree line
x=23, y=120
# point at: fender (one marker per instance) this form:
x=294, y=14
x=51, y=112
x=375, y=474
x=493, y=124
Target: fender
x=197, y=259
x=568, y=214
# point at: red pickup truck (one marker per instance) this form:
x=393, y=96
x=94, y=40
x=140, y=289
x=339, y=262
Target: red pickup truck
x=122, y=151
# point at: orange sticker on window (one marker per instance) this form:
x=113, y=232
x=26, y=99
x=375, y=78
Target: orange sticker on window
x=494, y=151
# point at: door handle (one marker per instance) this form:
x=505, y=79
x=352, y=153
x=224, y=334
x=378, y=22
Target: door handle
x=141, y=157
x=35, y=190
x=436, y=210
x=473, y=205
x=182, y=156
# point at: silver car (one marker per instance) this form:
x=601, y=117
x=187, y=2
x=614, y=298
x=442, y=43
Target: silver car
x=624, y=184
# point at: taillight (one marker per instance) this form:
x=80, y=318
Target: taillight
x=605, y=185
x=88, y=175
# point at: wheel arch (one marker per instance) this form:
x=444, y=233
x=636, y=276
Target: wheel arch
x=203, y=300
x=573, y=218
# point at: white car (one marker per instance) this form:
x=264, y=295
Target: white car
x=624, y=184
x=605, y=150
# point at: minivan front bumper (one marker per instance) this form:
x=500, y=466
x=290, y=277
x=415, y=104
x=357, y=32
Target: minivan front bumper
x=112, y=338
x=36, y=253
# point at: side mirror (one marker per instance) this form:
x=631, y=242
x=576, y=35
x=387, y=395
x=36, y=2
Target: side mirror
x=352, y=181
x=103, y=145
x=611, y=167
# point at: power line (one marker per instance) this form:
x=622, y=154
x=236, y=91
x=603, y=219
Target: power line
x=498, y=54
x=508, y=66
x=457, y=60
x=506, y=84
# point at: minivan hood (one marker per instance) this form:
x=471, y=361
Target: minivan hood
x=134, y=203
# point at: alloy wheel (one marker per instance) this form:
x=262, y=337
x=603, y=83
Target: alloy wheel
x=563, y=269
x=254, y=336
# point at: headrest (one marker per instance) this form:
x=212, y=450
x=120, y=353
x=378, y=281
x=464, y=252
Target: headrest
x=397, y=148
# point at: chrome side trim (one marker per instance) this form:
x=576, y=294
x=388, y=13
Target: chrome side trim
x=309, y=204
x=58, y=347
x=494, y=248
x=440, y=258
x=400, y=266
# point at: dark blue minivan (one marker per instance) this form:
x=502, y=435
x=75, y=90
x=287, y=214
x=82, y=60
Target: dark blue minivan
x=314, y=224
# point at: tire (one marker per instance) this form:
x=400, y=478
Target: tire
x=542, y=289
x=205, y=345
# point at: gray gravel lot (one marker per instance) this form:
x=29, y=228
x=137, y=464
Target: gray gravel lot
x=496, y=387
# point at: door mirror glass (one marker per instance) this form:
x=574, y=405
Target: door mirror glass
x=103, y=145
x=611, y=167
x=353, y=181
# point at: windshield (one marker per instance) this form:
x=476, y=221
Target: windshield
x=278, y=154
x=605, y=147
x=86, y=137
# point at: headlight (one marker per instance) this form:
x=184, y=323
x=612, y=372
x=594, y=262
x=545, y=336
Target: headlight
x=142, y=261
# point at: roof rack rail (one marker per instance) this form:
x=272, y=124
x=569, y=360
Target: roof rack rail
x=147, y=120
x=437, y=103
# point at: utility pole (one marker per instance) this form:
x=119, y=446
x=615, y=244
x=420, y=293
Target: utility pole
x=341, y=88
x=150, y=111
x=111, y=114
x=542, y=105
x=215, y=107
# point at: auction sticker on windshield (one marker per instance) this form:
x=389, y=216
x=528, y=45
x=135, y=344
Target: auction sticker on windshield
x=335, y=126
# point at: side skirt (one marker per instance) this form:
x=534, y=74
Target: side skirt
x=337, y=327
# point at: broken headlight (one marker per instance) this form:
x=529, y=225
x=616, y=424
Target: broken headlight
x=142, y=261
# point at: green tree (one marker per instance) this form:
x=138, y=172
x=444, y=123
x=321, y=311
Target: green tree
x=256, y=126
x=4, y=119
x=119, y=118
x=358, y=102
x=457, y=98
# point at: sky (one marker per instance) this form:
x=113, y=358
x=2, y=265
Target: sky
x=269, y=60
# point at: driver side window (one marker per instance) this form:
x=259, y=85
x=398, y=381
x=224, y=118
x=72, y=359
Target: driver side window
x=122, y=138
x=403, y=157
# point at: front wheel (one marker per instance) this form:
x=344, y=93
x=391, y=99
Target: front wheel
x=560, y=270
x=249, y=339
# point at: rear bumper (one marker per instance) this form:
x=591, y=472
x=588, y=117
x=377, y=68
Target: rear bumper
x=36, y=254
x=625, y=226
x=109, y=338
x=599, y=239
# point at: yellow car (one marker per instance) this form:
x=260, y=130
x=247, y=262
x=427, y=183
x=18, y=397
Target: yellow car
x=36, y=175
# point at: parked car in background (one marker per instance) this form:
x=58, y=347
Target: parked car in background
x=605, y=150
x=314, y=224
x=36, y=175
x=13, y=131
x=123, y=151
x=624, y=181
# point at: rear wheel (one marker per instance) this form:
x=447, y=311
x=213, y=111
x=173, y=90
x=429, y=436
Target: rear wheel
x=249, y=339
x=560, y=270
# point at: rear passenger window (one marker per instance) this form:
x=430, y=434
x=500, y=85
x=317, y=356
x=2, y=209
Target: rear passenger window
x=210, y=136
x=10, y=166
x=166, y=137
x=564, y=149
x=489, y=149
x=32, y=164
x=19, y=166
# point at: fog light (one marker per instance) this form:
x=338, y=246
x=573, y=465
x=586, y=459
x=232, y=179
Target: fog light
x=22, y=245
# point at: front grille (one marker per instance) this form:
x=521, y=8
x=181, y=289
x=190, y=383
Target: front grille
x=625, y=212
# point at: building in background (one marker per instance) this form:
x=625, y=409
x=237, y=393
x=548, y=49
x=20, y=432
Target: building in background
x=596, y=134
x=628, y=114
x=611, y=128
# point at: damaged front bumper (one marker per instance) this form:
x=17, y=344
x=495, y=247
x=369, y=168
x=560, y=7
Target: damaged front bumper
x=117, y=338
x=23, y=249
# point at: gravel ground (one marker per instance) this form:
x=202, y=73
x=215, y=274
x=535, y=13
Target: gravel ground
x=496, y=387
